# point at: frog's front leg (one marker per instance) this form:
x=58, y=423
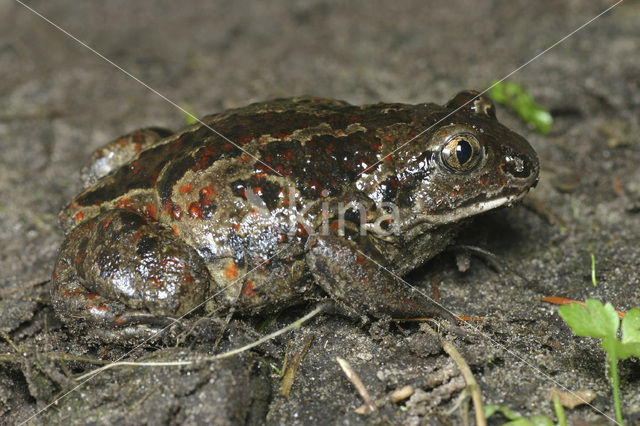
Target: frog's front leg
x=357, y=280
x=118, y=269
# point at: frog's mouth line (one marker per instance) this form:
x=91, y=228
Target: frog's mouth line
x=476, y=208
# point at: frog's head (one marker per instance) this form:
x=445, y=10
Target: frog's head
x=467, y=163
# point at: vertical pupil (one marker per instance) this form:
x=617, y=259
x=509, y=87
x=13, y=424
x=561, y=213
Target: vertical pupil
x=463, y=151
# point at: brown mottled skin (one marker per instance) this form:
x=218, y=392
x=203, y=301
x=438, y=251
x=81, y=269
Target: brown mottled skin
x=170, y=220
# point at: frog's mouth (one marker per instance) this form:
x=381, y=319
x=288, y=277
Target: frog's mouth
x=472, y=208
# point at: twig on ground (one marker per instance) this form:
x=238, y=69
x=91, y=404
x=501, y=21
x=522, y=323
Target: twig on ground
x=292, y=366
x=472, y=385
x=296, y=324
x=369, y=406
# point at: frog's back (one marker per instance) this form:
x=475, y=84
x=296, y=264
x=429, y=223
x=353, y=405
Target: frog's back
x=319, y=146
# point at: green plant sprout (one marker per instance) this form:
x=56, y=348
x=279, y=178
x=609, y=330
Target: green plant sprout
x=602, y=322
x=593, y=270
x=188, y=114
x=516, y=98
x=516, y=419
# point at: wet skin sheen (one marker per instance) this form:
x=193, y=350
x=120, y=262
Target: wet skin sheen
x=169, y=220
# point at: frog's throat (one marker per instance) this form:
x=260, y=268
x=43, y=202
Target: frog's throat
x=460, y=213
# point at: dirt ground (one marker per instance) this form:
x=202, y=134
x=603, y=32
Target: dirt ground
x=59, y=101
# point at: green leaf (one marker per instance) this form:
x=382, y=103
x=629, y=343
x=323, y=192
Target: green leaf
x=592, y=320
x=517, y=99
x=538, y=420
x=491, y=409
x=631, y=326
x=630, y=344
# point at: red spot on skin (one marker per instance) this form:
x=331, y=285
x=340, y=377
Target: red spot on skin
x=236, y=226
x=66, y=294
x=288, y=155
x=77, y=291
x=92, y=296
x=151, y=211
x=175, y=229
x=340, y=133
x=120, y=143
x=54, y=276
x=171, y=261
x=282, y=238
x=300, y=231
x=483, y=181
x=207, y=193
x=79, y=258
x=185, y=188
x=231, y=271
x=334, y=225
x=102, y=308
x=173, y=210
x=245, y=139
x=315, y=185
x=119, y=320
x=107, y=222
x=245, y=158
x=137, y=235
x=281, y=135
x=135, y=167
x=194, y=210
x=284, y=171
x=361, y=260
x=260, y=171
x=388, y=138
x=157, y=283
x=137, y=146
x=387, y=158
x=503, y=182
x=187, y=278
x=262, y=139
x=125, y=203
x=79, y=216
x=247, y=289
x=154, y=178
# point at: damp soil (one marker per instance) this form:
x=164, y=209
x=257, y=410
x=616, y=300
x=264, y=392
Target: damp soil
x=59, y=102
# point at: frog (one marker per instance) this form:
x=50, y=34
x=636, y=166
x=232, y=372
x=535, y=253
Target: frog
x=259, y=208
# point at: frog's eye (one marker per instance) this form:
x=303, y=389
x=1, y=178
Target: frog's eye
x=461, y=152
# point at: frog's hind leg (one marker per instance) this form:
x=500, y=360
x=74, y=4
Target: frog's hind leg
x=120, y=151
x=360, y=282
x=118, y=269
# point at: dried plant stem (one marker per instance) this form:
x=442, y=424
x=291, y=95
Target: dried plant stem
x=296, y=324
x=357, y=383
x=472, y=385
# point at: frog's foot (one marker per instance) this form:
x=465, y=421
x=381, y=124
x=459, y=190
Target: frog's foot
x=358, y=280
x=120, y=151
x=117, y=270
